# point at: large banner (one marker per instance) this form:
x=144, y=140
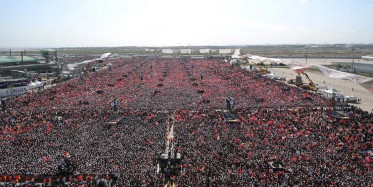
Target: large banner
x=13, y=91
x=225, y=51
x=183, y=51
x=167, y=51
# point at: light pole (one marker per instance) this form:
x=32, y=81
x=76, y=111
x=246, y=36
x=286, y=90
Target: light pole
x=306, y=54
x=353, y=60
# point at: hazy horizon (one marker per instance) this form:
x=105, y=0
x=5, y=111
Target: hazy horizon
x=146, y=23
x=174, y=46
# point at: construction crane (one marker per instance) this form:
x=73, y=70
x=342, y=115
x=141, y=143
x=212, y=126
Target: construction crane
x=298, y=82
x=310, y=83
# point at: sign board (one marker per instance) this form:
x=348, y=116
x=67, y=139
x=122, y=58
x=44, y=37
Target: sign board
x=2, y=105
x=339, y=100
x=230, y=103
x=339, y=103
x=114, y=103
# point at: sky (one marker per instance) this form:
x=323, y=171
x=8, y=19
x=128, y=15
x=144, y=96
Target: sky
x=105, y=23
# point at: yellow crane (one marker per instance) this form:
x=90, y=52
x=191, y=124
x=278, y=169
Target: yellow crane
x=311, y=85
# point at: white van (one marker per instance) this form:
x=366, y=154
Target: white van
x=350, y=99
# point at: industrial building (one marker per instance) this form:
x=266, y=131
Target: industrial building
x=361, y=67
x=28, y=66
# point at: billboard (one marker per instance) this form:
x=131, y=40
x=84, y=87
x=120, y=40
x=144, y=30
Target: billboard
x=167, y=51
x=225, y=51
x=186, y=51
x=204, y=50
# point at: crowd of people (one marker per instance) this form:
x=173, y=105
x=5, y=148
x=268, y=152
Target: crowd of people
x=277, y=123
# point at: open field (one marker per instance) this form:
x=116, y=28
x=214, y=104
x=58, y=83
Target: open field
x=349, y=88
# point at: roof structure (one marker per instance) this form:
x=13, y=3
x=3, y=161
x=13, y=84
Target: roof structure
x=15, y=59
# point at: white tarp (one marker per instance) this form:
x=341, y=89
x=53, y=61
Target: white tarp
x=259, y=58
x=38, y=83
x=225, y=51
x=72, y=66
x=202, y=51
x=167, y=51
x=264, y=59
x=32, y=84
x=339, y=74
x=365, y=82
x=183, y=51
x=105, y=56
x=35, y=84
x=367, y=57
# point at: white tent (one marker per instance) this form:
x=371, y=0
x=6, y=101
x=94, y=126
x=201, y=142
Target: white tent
x=330, y=93
x=32, y=85
x=38, y=83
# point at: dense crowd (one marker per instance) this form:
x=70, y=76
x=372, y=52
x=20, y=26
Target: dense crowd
x=278, y=123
